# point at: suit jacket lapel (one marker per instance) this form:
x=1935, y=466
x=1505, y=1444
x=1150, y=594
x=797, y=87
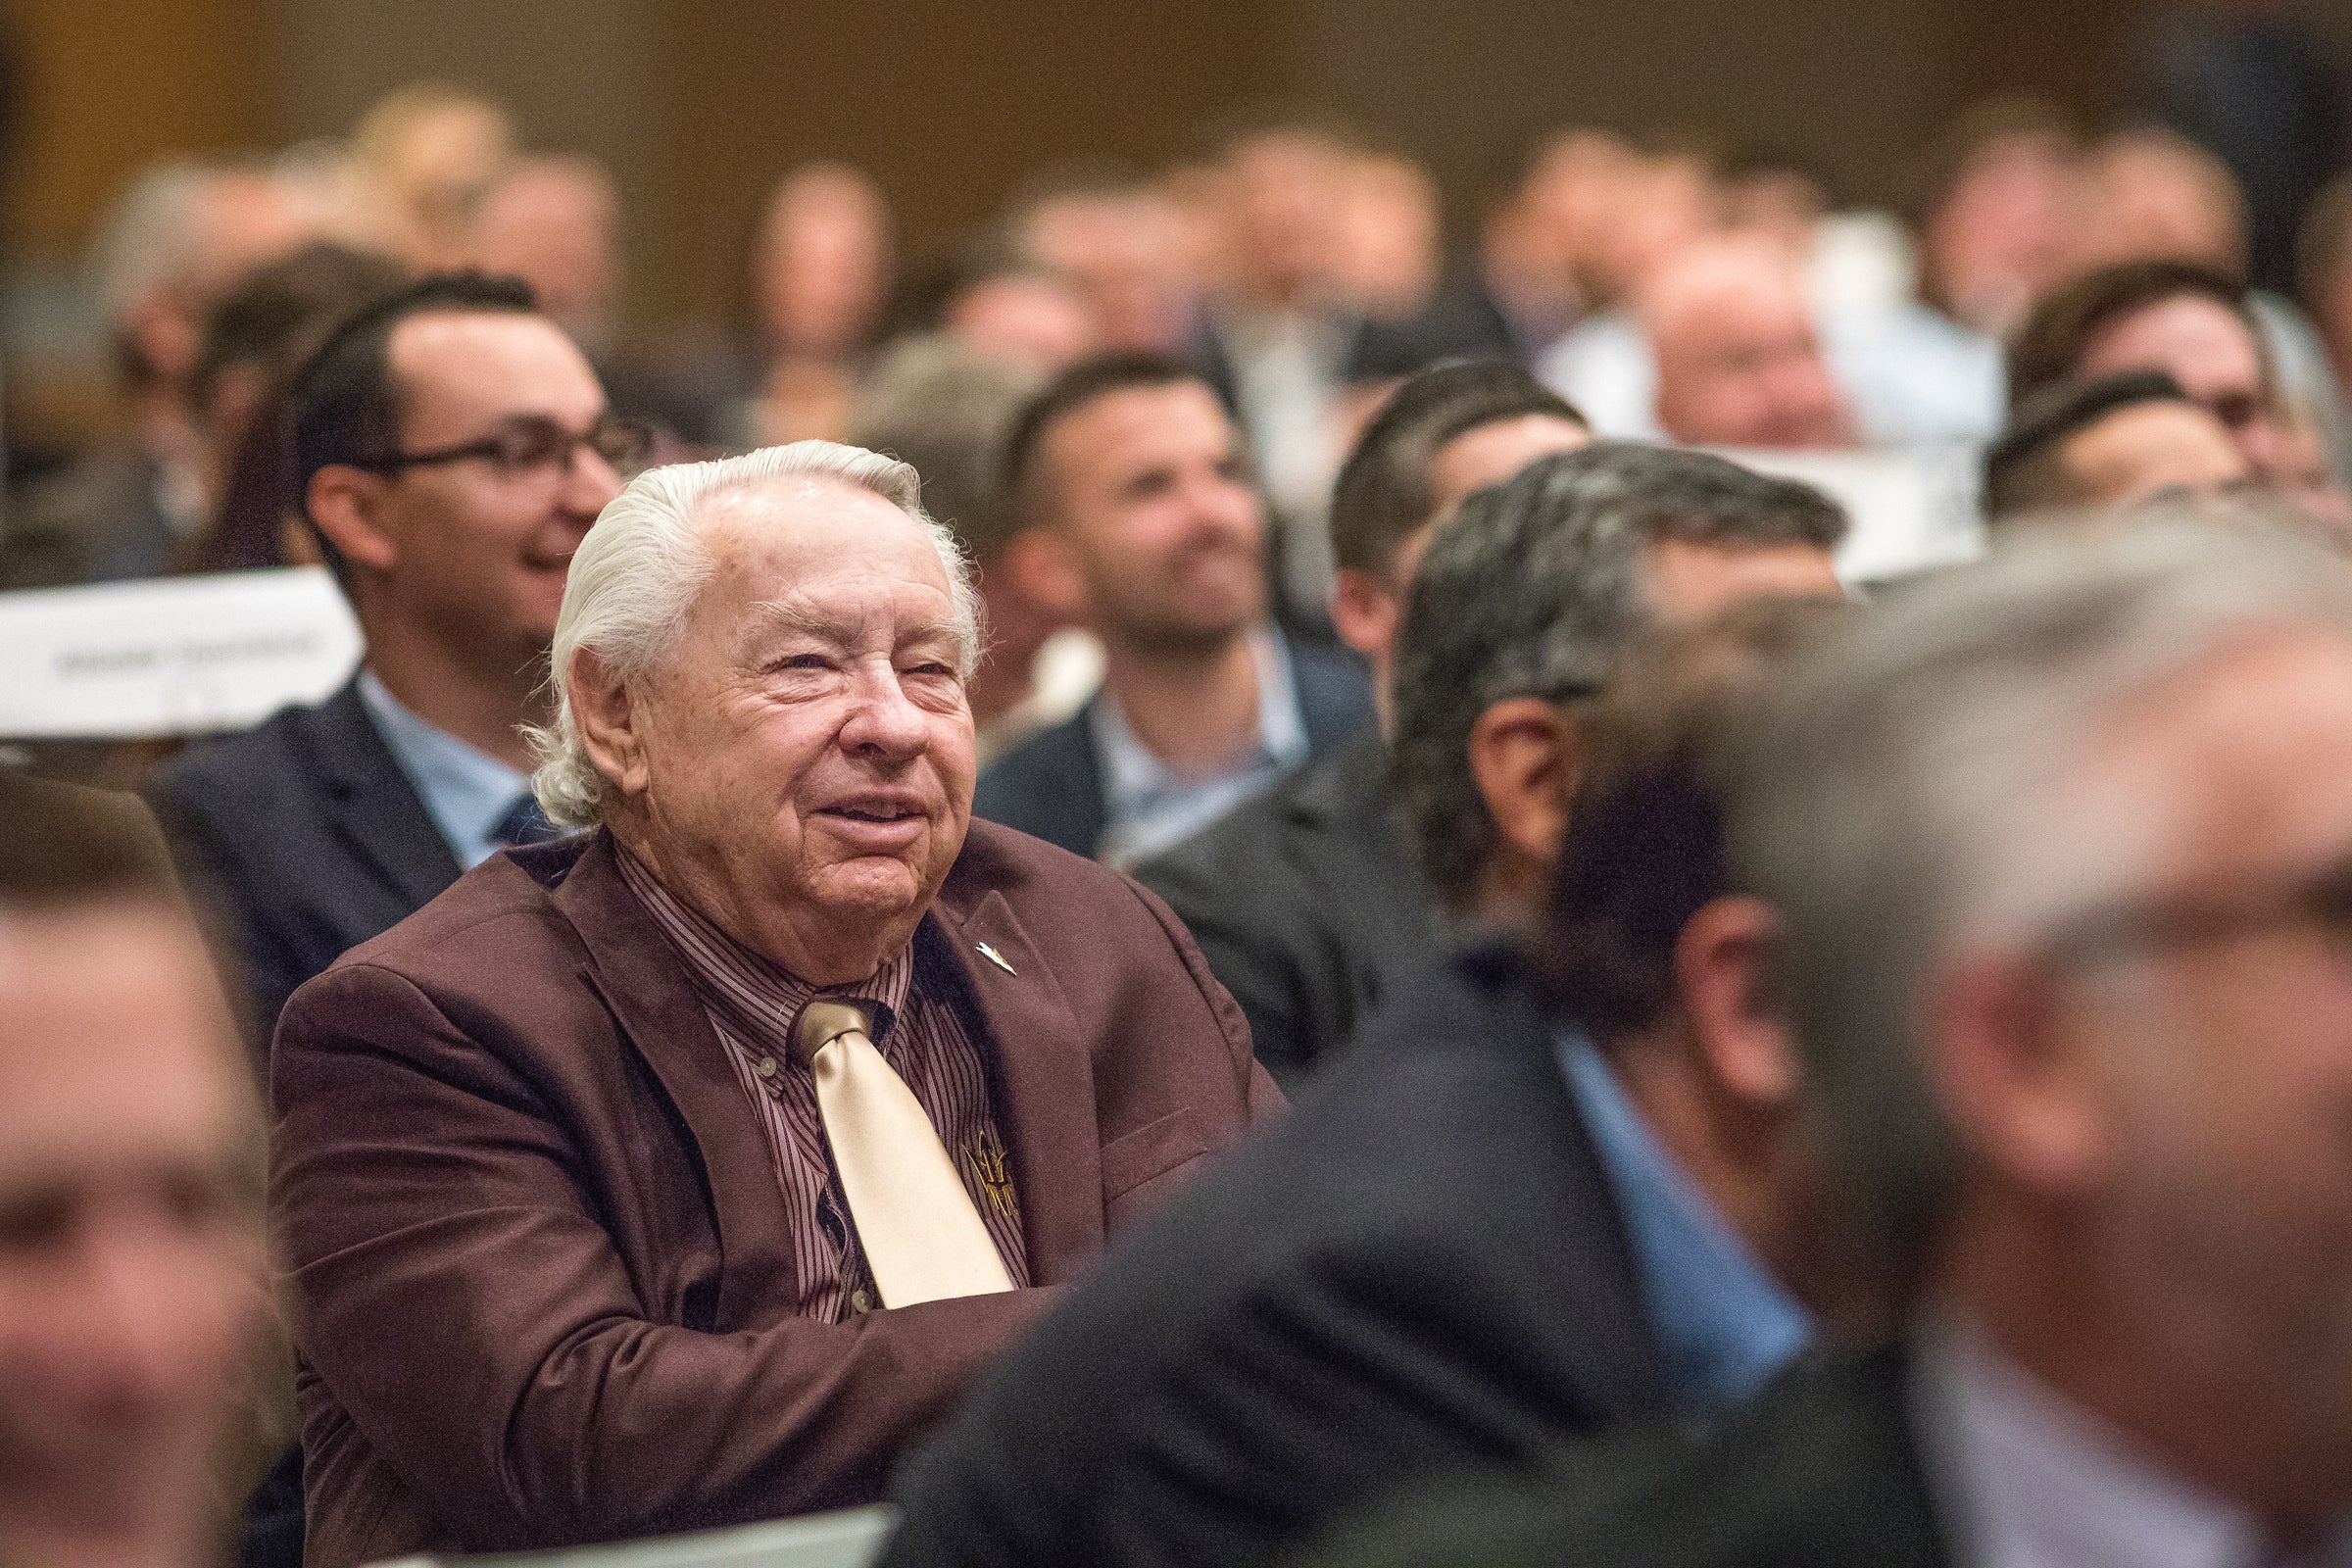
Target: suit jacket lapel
x=1044, y=1089
x=373, y=806
x=632, y=966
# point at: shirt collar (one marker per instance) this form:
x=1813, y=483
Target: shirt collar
x=756, y=994
x=1725, y=1323
x=1136, y=774
x=467, y=792
x=2034, y=1481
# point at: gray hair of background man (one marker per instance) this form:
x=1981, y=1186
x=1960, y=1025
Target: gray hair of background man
x=943, y=408
x=150, y=238
x=1535, y=590
x=1914, y=785
x=633, y=581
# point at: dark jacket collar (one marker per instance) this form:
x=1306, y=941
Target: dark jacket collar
x=371, y=802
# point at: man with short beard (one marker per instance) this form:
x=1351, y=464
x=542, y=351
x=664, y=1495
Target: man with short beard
x=1134, y=477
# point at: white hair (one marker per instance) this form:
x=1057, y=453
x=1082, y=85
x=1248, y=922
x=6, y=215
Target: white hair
x=636, y=575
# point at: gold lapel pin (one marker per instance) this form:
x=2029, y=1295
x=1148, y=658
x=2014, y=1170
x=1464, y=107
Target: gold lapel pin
x=998, y=959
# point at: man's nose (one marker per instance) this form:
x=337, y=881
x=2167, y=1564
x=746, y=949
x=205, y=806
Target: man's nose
x=885, y=719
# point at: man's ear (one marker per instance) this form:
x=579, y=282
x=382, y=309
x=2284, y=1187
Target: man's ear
x=606, y=717
x=1723, y=962
x=1364, y=611
x=1041, y=566
x=344, y=502
x=1524, y=758
x=2015, y=1065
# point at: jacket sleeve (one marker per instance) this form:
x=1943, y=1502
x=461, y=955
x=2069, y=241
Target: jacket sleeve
x=458, y=1294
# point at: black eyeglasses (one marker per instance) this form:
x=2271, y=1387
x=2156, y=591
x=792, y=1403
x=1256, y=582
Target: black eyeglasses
x=2322, y=902
x=534, y=444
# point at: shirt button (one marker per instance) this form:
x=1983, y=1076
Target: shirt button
x=860, y=1301
x=767, y=1067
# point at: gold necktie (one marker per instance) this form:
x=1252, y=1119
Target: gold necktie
x=923, y=1237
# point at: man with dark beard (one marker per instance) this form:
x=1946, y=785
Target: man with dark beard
x=1133, y=477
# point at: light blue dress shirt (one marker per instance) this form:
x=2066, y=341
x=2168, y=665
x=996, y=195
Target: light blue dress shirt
x=1151, y=806
x=1725, y=1324
x=467, y=793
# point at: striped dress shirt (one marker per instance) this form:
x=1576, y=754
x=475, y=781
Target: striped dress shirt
x=751, y=1002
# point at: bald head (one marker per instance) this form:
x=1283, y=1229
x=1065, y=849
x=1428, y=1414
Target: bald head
x=1738, y=363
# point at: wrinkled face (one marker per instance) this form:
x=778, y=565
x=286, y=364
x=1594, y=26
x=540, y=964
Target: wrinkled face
x=1739, y=365
x=480, y=553
x=2211, y=353
x=1150, y=496
x=131, y=1275
x=2213, y=1195
x=809, y=754
x=2137, y=451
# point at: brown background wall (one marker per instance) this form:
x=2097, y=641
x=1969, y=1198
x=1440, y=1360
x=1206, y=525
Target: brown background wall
x=699, y=103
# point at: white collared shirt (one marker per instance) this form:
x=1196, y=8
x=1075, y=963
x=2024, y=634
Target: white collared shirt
x=2030, y=1480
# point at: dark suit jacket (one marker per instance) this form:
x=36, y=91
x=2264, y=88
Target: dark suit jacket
x=1050, y=786
x=1422, y=1267
x=1821, y=1472
x=530, y=1217
x=101, y=520
x=305, y=836
x=1307, y=902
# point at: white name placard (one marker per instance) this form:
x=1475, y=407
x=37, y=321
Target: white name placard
x=173, y=656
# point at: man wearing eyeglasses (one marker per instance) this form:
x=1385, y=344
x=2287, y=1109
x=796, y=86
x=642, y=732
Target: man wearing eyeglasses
x=451, y=449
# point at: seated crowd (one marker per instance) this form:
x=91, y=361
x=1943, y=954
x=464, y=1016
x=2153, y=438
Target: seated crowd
x=1237, y=904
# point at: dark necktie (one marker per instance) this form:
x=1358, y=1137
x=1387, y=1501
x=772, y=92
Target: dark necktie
x=524, y=823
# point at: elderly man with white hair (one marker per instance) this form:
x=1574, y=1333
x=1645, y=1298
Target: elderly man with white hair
x=683, y=1170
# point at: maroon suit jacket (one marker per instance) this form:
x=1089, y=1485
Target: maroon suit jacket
x=530, y=1220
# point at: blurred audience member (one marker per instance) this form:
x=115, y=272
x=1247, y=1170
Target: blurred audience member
x=1390, y=251
x=2099, y=447
x=2247, y=79
x=555, y=223
x=451, y=446
x=1306, y=900
x=1999, y=215
x=1132, y=476
x=134, y=1293
x=419, y=164
x=178, y=240
x=934, y=403
x=2158, y=197
x=253, y=341
x=1109, y=232
x=821, y=272
x=1739, y=360
x=2170, y=315
x=1541, y=232
x=2058, y=846
x=1277, y=334
x=1532, y=1206
x=2153, y=195
x=1022, y=314
x=684, y=1172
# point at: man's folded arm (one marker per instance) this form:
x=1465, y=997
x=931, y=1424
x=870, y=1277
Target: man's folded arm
x=461, y=1298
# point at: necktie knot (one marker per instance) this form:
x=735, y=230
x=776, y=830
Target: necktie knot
x=826, y=1019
